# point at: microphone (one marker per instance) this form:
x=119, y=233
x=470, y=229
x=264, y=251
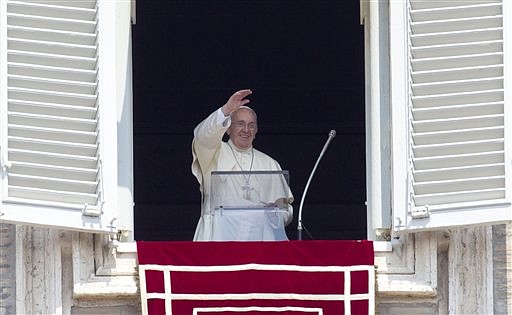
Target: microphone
x=332, y=134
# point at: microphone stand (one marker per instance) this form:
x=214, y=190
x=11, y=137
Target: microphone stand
x=332, y=134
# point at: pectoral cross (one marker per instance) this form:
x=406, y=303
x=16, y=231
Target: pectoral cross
x=247, y=191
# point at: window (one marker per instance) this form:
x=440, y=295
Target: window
x=451, y=158
x=58, y=113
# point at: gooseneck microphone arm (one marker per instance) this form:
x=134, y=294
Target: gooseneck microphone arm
x=332, y=134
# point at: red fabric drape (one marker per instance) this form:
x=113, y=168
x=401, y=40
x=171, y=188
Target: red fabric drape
x=293, y=277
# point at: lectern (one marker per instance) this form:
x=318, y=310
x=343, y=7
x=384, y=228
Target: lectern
x=249, y=205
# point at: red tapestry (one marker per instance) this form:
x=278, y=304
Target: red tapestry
x=257, y=278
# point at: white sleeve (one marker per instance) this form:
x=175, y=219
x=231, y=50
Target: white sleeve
x=207, y=141
x=223, y=120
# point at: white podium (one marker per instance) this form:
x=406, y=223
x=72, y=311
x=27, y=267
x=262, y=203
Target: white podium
x=249, y=205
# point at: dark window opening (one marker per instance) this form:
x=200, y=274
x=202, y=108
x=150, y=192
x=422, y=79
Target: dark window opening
x=304, y=62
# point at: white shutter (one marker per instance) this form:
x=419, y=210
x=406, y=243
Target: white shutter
x=457, y=164
x=52, y=170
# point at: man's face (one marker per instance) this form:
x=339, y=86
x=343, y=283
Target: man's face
x=243, y=128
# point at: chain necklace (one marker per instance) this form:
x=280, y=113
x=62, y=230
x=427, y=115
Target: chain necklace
x=247, y=187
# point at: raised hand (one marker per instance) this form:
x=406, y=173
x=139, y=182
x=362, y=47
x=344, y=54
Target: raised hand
x=236, y=100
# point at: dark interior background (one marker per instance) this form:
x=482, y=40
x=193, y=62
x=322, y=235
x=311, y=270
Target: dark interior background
x=304, y=62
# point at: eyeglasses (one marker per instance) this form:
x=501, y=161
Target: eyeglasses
x=242, y=125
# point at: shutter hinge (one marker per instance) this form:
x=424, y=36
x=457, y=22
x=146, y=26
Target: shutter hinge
x=113, y=243
x=4, y=161
x=420, y=212
x=383, y=234
x=92, y=211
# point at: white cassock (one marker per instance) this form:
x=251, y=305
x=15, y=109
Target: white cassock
x=210, y=153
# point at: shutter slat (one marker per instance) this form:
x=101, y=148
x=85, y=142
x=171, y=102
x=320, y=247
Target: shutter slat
x=55, y=159
x=454, y=75
x=56, y=122
x=470, y=122
x=61, y=37
x=49, y=146
x=461, y=86
x=51, y=60
x=50, y=171
x=458, y=98
x=462, y=172
x=450, y=38
x=459, y=197
x=455, y=62
x=457, y=185
x=56, y=73
x=459, y=160
x=443, y=149
x=459, y=135
x=454, y=25
x=60, y=197
x=62, y=24
x=459, y=49
x=84, y=4
x=444, y=112
x=30, y=95
x=51, y=85
x=53, y=134
x=57, y=184
x=52, y=109
x=63, y=49
x=455, y=10
x=436, y=4
x=51, y=9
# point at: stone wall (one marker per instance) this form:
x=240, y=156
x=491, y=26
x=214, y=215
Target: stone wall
x=474, y=274
x=502, y=268
x=7, y=269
